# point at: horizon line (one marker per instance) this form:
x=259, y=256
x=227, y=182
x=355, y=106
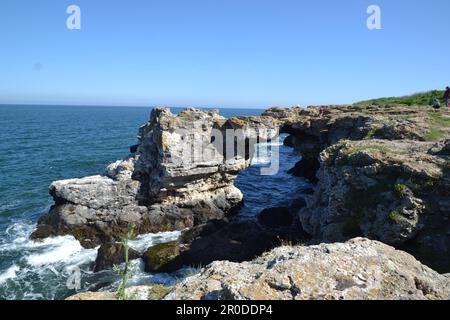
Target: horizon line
x=131, y=106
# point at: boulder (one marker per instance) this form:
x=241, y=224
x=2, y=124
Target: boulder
x=111, y=254
x=162, y=257
x=359, y=269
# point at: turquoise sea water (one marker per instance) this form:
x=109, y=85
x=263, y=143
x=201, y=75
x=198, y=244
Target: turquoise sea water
x=41, y=144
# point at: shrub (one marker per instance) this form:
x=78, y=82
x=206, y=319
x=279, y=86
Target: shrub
x=401, y=190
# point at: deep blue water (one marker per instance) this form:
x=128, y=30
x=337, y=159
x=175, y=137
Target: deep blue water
x=41, y=144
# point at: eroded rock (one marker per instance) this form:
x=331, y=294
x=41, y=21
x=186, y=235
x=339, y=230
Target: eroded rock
x=359, y=269
x=177, y=179
x=392, y=191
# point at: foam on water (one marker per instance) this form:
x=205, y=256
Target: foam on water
x=41, y=268
x=142, y=242
x=11, y=273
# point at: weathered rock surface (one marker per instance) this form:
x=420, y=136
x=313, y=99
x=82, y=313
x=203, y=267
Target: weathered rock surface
x=111, y=254
x=314, y=129
x=178, y=178
x=357, y=269
x=155, y=292
x=396, y=192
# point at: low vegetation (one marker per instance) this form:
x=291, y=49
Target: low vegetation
x=401, y=190
x=126, y=271
x=439, y=126
x=420, y=99
x=395, y=216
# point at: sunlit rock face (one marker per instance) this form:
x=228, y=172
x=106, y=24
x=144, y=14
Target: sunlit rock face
x=181, y=175
x=359, y=269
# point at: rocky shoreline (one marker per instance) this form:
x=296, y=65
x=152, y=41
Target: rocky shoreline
x=382, y=173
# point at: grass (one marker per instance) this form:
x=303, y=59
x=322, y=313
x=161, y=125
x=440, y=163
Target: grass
x=395, y=216
x=438, y=123
x=420, y=99
x=363, y=147
x=371, y=134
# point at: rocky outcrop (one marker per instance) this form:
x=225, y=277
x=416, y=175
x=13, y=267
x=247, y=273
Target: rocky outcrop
x=396, y=192
x=359, y=269
x=314, y=129
x=112, y=254
x=379, y=172
x=180, y=176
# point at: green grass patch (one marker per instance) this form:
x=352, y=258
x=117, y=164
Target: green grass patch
x=439, y=125
x=419, y=99
x=395, y=216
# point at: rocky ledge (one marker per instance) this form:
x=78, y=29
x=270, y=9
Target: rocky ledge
x=355, y=270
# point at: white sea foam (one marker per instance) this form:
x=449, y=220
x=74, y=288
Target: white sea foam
x=145, y=241
x=60, y=249
x=11, y=273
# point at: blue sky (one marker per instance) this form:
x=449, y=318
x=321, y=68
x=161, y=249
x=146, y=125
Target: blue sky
x=220, y=53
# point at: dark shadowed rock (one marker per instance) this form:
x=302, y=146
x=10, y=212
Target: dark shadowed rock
x=111, y=254
x=306, y=168
x=276, y=217
x=233, y=241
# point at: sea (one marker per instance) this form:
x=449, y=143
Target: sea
x=41, y=144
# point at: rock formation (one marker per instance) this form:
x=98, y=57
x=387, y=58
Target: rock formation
x=169, y=184
x=359, y=269
x=393, y=191
x=381, y=173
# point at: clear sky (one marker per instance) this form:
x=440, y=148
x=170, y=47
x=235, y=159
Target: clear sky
x=220, y=53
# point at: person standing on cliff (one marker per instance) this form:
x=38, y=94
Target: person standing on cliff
x=446, y=96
